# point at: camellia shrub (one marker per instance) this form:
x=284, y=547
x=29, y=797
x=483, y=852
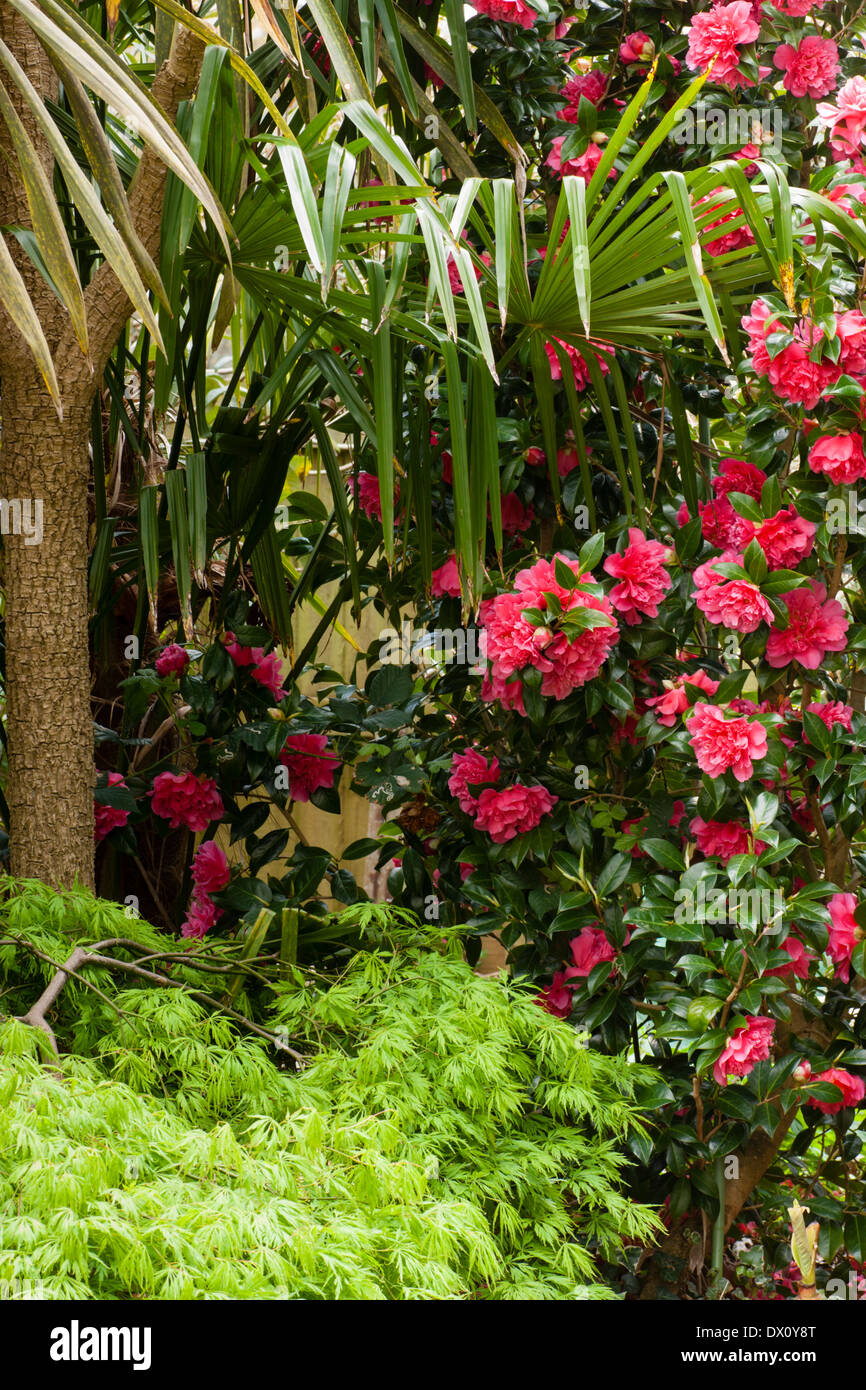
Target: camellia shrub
x=436, y=1135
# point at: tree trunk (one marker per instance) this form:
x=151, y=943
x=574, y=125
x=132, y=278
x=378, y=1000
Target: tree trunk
x=51, y=773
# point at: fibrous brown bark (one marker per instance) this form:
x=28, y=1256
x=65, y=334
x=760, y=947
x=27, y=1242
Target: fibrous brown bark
x=49, y=724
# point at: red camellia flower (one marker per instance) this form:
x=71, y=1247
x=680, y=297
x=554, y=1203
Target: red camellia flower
x=851, y=332
x=579, y=367
x=446, y=579
x=644, y=579
x=269, y=673
x=797, y=8
x=638, y=48
x=810, y=69
x=108, y=818
x=181, y=798
x=512, y=811
x=507, y=11
x=309, y=765
x=172, y=659
x=515, y=517
x=792, y=374
x=847, y=118
x=853, y=1090
x=582, y=166
x=816, y=625
x=366, y=489
x=720, y=743
x=736, y=475
x=744, y=1048
x=844, y=933
x=557, y=998
x=588, y=950
x=675, y=700
x=718, y=34
x=470, y=769
x=210, y=868
x=723, y=839
x=839, y=456
x=591, y=85
x=799, y=960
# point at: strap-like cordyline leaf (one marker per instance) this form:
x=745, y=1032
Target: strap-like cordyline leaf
x=732, y=173
x=16, y=302
x=123, y=248
x=100, y=557
x=603, y=399
x=456, y=21
x=47, y=223
x=148, y=532
x=453, y=152
x=267, y=565
x=683, y=440
x=367, y=26
x=783, y=227
x=198, y=138
x=391, y=34
x=503, y=238
x=335, y=374
x=575, y=194
x=341, y=505
x=383, y=403
x=388, y=146
x=466, y=559
x=99, y=68
x=485, y=459
x=338, y=184
x=541, y=375
x=400, y=259
x=196, y=493
x=441, y=60
x=630, y=440
x=694, y=262
x=820, y=209
x=178, y=525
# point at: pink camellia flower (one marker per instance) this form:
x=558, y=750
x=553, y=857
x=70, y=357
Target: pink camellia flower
x=591, y=85
x=839, y=456
x=785, y=538
x=745, y=1048
x=644, y=581
x=470, y=769
x=557, y=998
x=802, y=1071
x=724, y=527
x=446, y=579
x=202, y=914
x=723, y=241
x=513, y=642
x=844, y=933
x=181, y=798
x=108, y=818
x=588, y=950
x=735, y=603
x=509, y=693
x=507, y=11
x=850, y=197
x=309, y=765
x=799, y=960
x=720, y=744
x=638, y=48
x=723, y=839
x=582, y=377
x=675, y=700
x=792, y=374
x=847, y=118
x=853, y=1090
x=816, y=625
x=582, y=166
x=172, y=659
x=210, y=868
x=241, y=656
x=512, y=811
x=718, y=34
x=366, y=489
x=832, y=712
x=851, y=332
x=269, y=672
x=797, y=8
x=515, y=517
x=810, y=69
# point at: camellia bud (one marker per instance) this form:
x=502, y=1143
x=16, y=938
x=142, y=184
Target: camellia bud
x=802, y=1071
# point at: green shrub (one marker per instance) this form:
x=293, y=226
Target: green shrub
x=448, y=1139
